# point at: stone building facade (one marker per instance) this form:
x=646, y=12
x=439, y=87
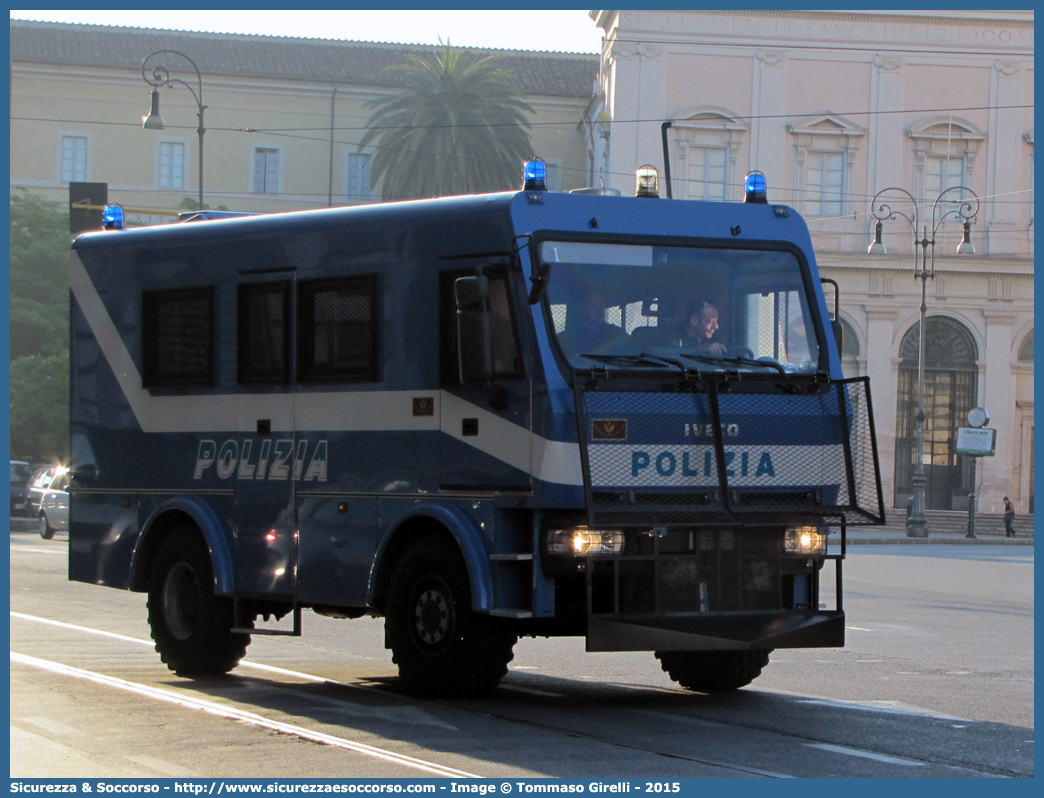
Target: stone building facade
x=284, y=116
x=833, y=107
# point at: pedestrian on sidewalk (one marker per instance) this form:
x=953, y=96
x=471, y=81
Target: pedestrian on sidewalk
x=1009, y=518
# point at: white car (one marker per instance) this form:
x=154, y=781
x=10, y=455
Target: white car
x=54, y=505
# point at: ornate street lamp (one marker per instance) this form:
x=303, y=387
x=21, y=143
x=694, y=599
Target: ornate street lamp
x=967, y=203
x=161, y=77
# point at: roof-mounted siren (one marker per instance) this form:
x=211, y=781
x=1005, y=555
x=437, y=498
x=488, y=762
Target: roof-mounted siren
x=112, y=217
x=647, y=181
x=534, y=175
x=755, y=189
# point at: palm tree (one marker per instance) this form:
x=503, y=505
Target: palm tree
x=457, y=126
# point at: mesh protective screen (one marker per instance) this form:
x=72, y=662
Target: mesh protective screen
x=708, y=456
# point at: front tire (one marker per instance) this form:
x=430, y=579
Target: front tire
x=441, y=646
x=713, y=671
x=191, y=626
x=46, y=530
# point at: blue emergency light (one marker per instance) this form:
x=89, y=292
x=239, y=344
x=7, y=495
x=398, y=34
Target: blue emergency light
x=755, y=189
x=534, y=175
x=112, y=217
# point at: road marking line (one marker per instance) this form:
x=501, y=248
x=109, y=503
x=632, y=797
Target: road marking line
x=244, y=663
x=162, y=766
x=530, y=691
x=885, y=707
x=652, y=713
x=74, y=627
x=889, y=760
x=241, y=715
x=53, y=726
x=39, y=550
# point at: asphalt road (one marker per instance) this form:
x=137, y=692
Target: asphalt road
x=936, y=680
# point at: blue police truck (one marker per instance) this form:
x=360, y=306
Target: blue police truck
x=480, y=417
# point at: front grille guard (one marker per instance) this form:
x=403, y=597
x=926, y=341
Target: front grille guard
x=826, y=450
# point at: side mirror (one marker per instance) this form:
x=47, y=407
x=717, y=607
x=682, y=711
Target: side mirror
x=474, y=330
x=539, y=280
x=838, y=334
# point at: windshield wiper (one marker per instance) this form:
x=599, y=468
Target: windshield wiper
x=643, y=359
x=743, y=361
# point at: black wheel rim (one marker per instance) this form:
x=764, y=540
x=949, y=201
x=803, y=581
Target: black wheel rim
x=433, y=616
x=181, y=601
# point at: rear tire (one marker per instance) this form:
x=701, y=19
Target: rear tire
x=46, y=530
x=713, y=671
x=441, y=646
x=191, y=626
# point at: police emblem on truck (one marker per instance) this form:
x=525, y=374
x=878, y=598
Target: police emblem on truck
x=614, y=429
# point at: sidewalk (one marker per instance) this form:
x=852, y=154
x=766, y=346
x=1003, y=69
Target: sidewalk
x=949, y=528
x=864, y=536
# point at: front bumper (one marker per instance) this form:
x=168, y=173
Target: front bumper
x=718, y=631
x=21, y=509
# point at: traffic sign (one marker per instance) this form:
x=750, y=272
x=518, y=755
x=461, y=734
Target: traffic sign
x=976, y=442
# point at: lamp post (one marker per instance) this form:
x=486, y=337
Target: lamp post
x=967, y=208
x=160, y=76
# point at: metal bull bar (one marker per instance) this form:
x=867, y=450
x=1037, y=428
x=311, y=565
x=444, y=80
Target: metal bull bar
x=714, y=450
x=707, y=472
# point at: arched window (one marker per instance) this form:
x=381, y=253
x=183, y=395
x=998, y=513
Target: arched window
x=1026, y=350
x=849, y=340
x=950, y=388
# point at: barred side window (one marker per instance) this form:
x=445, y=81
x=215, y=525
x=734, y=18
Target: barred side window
x=263, y=340
x=178, y=337
x=337, y=329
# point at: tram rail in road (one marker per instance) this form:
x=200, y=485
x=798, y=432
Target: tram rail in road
x=188, y=698
x=549, y=719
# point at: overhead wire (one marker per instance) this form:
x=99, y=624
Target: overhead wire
x=294, y=133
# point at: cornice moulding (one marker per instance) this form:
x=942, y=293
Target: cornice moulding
x=951, y=31
x=957, y=18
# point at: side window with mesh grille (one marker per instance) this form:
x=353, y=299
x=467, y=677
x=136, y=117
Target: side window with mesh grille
x=337, y=329
x=263, y=310
x=178, y=338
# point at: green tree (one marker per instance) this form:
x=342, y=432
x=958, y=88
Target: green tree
x=457, y=126
x=40, y=408
x=39, y=283
x=190, y=204
x=39, y=328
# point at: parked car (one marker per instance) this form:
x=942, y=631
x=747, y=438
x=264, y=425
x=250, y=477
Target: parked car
x=54, y=505
x=50, y=496
x=40, y=482
x=21, y=473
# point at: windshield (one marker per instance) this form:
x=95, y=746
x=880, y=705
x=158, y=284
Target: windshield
x=703, y=307
x=20, y=472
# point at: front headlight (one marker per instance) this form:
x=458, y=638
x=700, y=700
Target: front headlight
x=804, y=540
x=583, y=541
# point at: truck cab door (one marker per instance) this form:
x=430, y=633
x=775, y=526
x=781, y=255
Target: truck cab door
x=485, y=420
